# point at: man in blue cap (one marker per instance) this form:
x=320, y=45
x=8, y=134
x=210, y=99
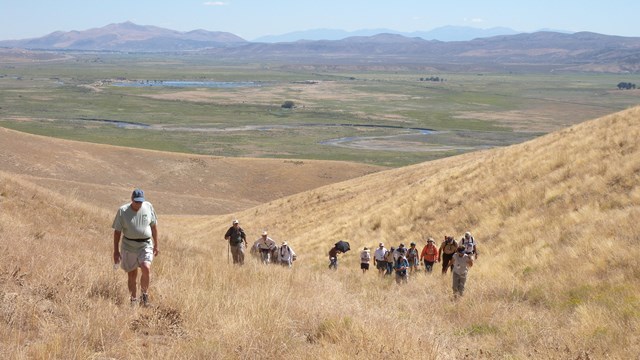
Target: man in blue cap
x=135, y=223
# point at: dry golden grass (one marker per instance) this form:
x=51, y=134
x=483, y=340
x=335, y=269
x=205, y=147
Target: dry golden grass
x=180, y=183
x=557, y=278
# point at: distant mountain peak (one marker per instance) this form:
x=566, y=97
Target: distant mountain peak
x=128, y=36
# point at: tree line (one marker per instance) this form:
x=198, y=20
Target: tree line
x=626, y=86
x=432, y=78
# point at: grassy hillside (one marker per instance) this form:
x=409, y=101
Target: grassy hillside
x=557, y=277
x=178, y=183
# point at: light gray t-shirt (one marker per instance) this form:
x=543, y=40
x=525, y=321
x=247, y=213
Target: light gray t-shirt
x=461, y=264
x=135, y=225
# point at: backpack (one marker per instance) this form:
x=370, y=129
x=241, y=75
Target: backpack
x=450, y=247
x=365, y=256
x=469, y=246
x=237, y=239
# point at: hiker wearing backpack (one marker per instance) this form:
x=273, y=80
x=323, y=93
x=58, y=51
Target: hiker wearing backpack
x=446, y=251
x=470, y=245
x=400, y=251
x=286, y=256
x=237, y=242
x=365, y=258
x=401, y=267
x=413, y=257
x=266, y=245
x=333, y=258
x=461, y=262
x=379, y=259
x=429, y=255
x=389, y=261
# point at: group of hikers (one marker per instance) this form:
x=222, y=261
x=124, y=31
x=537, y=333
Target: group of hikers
x=135, y=244
x=403, y=261
x=264, y=248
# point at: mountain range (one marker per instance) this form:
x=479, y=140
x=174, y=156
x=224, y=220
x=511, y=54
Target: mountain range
x=444, y=33
x=582, y=51
x=549, y=51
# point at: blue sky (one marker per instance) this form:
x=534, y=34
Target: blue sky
x=251, y=19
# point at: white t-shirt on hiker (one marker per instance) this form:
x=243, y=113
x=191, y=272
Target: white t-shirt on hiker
x=365, y=257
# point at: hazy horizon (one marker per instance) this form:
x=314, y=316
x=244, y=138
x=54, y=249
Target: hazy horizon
x=252, y=19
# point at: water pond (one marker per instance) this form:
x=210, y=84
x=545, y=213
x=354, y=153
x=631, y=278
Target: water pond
x=186, y=84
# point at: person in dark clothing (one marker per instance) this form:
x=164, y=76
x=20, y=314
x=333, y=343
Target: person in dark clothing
x=401, y=267
x=237, y=242
x=333, y=258
x=448, y=247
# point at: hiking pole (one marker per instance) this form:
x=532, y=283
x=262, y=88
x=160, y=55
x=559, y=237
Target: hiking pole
x=228, y=251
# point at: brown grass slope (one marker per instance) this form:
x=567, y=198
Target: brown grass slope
x=557, y=219
x=558, y=274
x=179, y=183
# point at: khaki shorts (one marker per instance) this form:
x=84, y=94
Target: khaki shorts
x=130, y=261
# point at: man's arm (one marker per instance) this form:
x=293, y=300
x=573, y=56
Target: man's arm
x=116, y=246
x=154, y=235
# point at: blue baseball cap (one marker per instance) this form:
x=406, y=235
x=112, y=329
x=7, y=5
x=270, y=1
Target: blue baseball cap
x=138, y=195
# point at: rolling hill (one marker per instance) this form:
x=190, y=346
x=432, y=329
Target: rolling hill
x=178, y=183
x=557, y=276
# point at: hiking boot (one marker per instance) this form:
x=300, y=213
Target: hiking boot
x=144, y=300
x=133, y=302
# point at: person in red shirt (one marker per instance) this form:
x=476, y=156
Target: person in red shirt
x=429, y=255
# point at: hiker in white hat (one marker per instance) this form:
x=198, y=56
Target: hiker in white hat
x=265, y=246
x=470, y=245
x=379, y=259
x=286, y=255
